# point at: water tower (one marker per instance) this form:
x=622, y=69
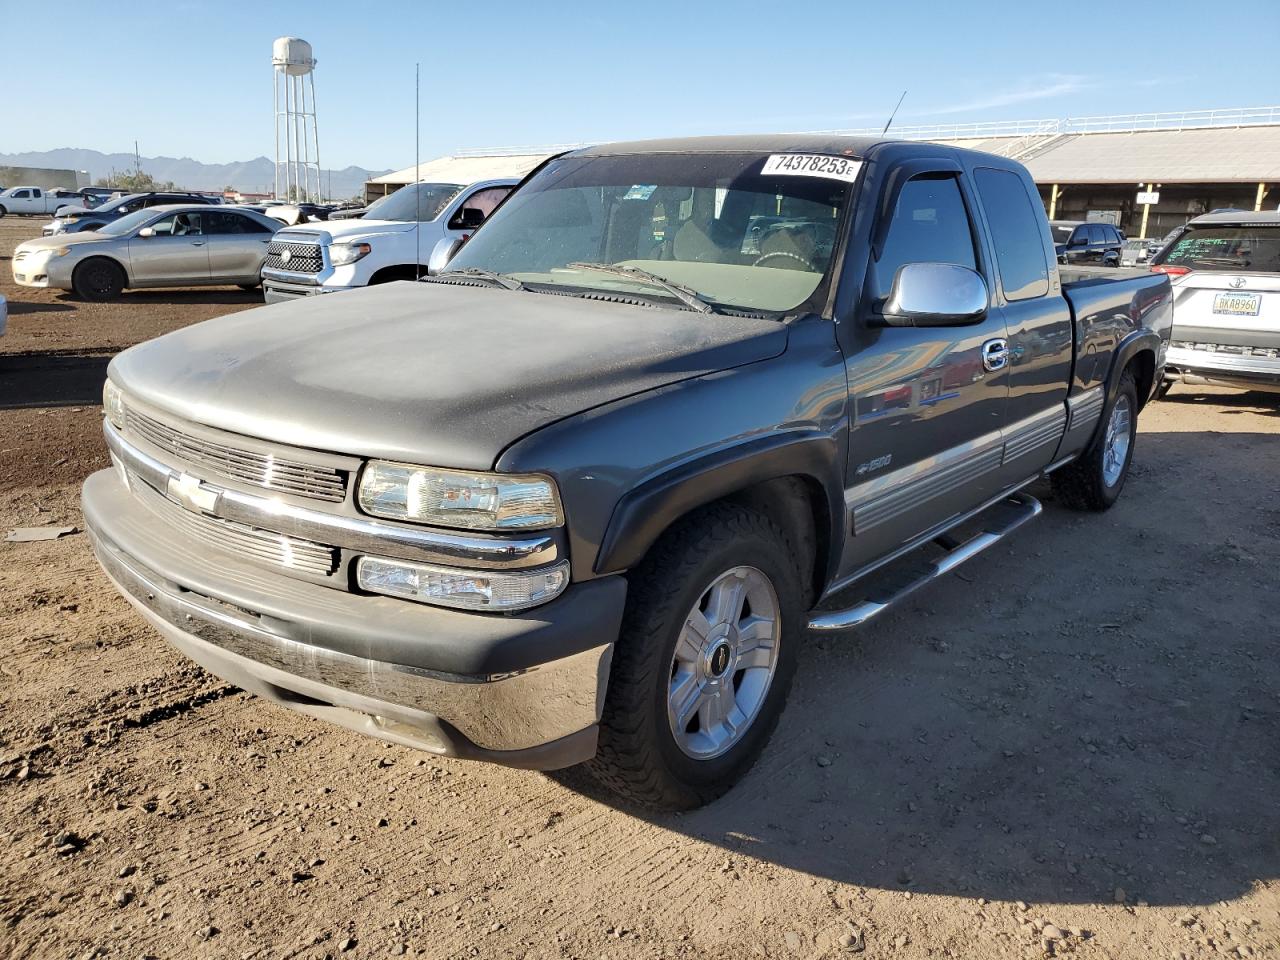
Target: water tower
x=297, y=142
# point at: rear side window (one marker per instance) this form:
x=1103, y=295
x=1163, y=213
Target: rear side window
x=1242, y=247
x=1015, y=231
x=223, y=223
x=930, y=225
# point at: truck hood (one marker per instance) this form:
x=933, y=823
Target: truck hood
x=343, y=230
x=428, y=373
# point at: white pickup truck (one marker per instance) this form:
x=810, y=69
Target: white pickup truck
x=392, y=241
x=37, y=201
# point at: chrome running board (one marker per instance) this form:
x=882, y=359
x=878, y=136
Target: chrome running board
x=1024, y=508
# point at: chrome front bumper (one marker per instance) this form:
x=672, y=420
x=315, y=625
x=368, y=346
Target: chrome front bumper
x=259, y=631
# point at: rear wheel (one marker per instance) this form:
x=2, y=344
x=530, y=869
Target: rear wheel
x=98, y=279
x=1095, y=480
x=249, y=287
x=704, y=662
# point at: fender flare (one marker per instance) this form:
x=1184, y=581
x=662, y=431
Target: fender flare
x=1125, y=351
x=644, y=512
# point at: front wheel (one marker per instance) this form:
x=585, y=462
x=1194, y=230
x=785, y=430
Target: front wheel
x=704, y=662
x=98, y=279
x=1095, y=480
x=3, y=211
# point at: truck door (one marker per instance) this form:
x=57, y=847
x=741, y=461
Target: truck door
x=927, y=404
x=1028, y=294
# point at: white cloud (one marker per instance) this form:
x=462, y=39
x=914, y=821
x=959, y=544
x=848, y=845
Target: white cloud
x=1035, y=88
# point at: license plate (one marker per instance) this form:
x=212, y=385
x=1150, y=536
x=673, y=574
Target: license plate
x=1238, y=304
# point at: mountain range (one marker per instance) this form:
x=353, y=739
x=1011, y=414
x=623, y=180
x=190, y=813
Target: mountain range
x=251, y=176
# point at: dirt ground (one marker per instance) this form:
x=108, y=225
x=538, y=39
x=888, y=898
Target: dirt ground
x=1077, y=729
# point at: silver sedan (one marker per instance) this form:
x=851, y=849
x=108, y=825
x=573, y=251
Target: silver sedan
x=179, y=245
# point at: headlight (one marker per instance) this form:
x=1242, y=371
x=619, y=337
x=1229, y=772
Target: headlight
x=113, y=404
x=66, y=220
x=341, y=254
x=58, y=252
x=463, y=589
x=448, y=498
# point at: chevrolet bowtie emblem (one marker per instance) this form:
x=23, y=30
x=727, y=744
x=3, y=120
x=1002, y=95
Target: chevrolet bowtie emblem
x=192, y=494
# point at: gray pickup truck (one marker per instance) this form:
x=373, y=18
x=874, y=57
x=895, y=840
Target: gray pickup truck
x=582, y=495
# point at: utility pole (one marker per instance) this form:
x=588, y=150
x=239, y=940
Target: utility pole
x=137, y=160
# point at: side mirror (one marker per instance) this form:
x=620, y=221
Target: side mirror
x=935, y=295
x=146, y=232
x=441, y=254
x=468, y=218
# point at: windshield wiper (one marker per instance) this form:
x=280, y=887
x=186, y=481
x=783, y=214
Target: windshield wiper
x=686, y=295
x=501, y=279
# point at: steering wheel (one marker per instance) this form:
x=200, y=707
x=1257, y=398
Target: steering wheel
x=786, y=254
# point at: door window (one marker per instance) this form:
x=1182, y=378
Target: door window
x=1016, y=233
x=485, y=201
x=930, y=225
x=178, y=225
x=22, y=195
x=1096, y=234
x=232, y=223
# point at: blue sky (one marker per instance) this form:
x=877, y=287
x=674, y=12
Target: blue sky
x=192, y=78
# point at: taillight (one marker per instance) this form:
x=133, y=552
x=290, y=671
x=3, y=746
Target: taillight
x=1171, y=271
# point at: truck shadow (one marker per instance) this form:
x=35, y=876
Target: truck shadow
x=1236, y=402
x=53, y=378
x=1084, y=713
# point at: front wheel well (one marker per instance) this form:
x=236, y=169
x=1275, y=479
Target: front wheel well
x=401, y=271
x=799, y=506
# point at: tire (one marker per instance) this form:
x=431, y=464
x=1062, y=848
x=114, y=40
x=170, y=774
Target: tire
x=1094, y=481
x=640, y=755
x=98, y=279
x=249, y=287
x=3, y=211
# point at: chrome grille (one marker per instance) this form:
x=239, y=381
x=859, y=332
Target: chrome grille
x=262, y=470
x=302, y=257
x=244, y=541
x=20, y=256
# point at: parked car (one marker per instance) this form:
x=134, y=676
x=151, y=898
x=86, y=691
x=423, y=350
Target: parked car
x=577, y=497
x=1225, y=269
x=1081, y=244
x=35, y=201
x=175, y=245
x=82, y=219
x=392, y=241
x=1135, y=252
x=348, y=213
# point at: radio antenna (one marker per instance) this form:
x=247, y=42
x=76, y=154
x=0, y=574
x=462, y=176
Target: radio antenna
x=417, y=171
x=889, y=122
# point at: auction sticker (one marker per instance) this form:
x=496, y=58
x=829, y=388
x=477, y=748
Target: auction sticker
x=812, y=165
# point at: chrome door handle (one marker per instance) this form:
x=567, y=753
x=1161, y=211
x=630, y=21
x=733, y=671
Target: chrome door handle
x=995, y=354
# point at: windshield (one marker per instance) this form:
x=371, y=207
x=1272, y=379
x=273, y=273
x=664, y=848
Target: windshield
x=1061, y=234
x=1254, y=247
x=713, y=223
x=418, y=202
x=128, y=223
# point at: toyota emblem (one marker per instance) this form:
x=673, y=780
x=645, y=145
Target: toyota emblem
x=286, y=256
x=1237, y=282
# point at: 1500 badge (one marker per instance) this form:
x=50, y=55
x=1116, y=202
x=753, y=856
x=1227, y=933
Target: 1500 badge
x=879, y=463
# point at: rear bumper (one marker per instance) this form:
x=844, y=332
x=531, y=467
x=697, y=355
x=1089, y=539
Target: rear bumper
x=256, y=629
x=1219, y=369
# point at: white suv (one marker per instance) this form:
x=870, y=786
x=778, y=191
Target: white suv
x=392, y=241
x=1225, y=269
